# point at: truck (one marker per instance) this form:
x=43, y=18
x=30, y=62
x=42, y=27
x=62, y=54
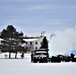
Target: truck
x=39, y=55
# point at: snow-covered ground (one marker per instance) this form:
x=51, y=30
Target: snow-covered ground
x=25, y=67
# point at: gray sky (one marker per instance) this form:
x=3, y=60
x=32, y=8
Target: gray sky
x=34, y=16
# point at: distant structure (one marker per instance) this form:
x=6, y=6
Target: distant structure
x=33, y=43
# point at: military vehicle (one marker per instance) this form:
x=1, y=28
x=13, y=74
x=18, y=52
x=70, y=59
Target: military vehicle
x=39, y=55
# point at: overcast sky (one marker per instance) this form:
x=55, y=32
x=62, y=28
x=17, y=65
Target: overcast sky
x=34, y=16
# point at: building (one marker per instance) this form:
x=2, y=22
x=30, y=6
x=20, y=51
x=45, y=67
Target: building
x=32, y=43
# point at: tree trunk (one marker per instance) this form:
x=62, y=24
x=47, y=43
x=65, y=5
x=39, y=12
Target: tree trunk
x=15, y=55
x=9, y=55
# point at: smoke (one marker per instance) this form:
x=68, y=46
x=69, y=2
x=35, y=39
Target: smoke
x=63, y=42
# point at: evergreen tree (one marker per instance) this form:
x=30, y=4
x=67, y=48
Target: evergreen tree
x=12, y=40
x=44, y=43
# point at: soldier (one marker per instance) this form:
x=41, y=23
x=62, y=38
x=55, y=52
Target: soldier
x=32, y=56
x=22, y=56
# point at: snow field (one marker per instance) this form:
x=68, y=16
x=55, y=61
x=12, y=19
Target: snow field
x=25, y=67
